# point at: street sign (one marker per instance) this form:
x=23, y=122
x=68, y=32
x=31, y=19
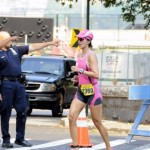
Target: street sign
x=74, y=39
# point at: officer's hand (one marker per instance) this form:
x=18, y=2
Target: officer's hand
x=56, y=42
x=14, y=38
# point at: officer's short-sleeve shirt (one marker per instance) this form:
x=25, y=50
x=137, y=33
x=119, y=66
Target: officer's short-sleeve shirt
x=10, y=61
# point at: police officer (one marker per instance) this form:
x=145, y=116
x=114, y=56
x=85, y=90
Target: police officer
x=12, y=91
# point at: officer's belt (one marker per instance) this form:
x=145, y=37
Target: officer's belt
x=11, y=78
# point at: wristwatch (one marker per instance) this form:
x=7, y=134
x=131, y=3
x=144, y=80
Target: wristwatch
x=81, y=71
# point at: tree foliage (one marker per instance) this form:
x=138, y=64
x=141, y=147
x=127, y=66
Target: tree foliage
x=130, y=8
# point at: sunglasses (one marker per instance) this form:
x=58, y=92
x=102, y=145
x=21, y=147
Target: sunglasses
x=81, y=39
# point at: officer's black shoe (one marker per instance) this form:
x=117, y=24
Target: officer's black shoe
x=7, y=145
x=24, y=143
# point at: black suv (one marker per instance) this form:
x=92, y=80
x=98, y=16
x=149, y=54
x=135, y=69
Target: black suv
x=49, y=83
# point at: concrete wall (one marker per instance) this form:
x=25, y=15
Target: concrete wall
x=122, y=109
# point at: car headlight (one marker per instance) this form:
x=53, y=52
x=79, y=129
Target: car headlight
x=48, y=87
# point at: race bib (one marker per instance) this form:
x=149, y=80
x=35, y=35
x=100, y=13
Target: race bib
x=87, y=89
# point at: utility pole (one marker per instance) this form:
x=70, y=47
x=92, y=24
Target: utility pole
x=88, y=14
x=87, y=27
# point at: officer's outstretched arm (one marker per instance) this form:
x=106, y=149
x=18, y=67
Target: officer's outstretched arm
x=39, y=46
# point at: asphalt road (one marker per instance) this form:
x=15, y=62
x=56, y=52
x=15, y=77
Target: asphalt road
x=46, y=133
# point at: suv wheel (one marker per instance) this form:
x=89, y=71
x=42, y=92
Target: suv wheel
x=57, y=109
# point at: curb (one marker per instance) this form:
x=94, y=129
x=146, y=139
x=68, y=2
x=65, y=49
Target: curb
x=111, y=125
x=110, y=128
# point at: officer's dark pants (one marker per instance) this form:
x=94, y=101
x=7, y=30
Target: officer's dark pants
x=13, y=94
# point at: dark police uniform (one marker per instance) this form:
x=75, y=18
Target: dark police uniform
x=13, y=91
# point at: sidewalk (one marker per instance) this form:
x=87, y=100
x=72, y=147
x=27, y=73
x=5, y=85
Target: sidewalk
x=111, y=125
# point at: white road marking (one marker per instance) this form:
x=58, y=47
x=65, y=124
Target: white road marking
x=144, y=147
x=1, y=140
x=45, y=145
x=102, y=145
x=12, y=140
x=66, y=141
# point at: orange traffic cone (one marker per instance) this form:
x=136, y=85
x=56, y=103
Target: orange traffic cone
x=83, y=137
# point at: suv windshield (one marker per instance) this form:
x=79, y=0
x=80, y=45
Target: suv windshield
x=43, y=66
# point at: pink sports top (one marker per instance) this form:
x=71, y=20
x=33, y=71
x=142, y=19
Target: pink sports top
x=82, y=63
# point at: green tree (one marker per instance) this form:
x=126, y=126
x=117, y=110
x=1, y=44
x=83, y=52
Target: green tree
x=130, y=8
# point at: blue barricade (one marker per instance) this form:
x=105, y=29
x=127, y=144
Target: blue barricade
x=139, y=92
